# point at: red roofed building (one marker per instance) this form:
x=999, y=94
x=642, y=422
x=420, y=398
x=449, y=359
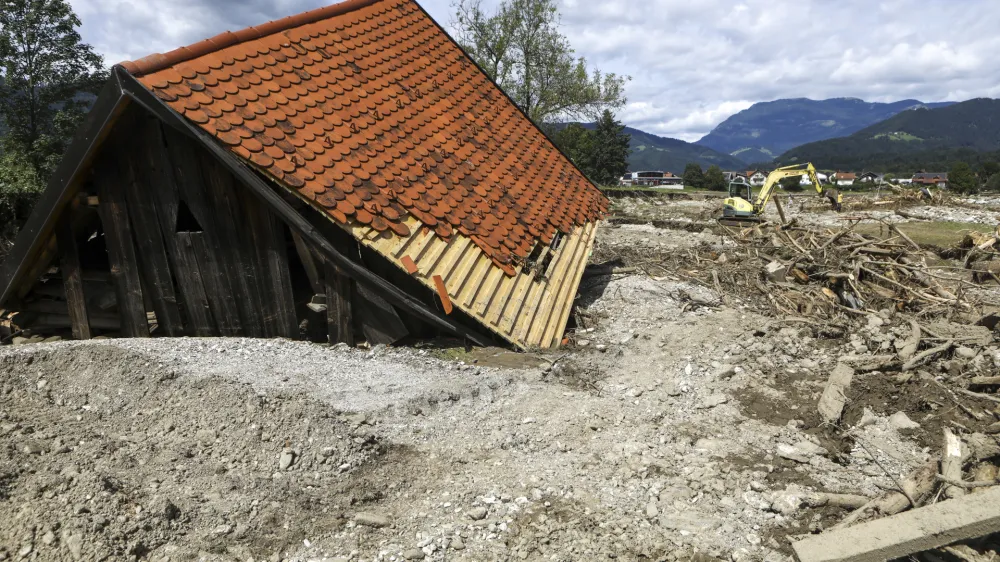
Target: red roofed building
x=353, y=157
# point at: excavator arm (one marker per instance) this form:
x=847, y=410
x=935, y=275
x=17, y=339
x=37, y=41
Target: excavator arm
x=738, y=209
x=779, y=174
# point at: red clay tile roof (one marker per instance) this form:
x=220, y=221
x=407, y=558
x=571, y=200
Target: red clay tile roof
x=369, y=109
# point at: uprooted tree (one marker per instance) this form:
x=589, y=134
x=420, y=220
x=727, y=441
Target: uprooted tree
x=519, y=45
x=47, y=78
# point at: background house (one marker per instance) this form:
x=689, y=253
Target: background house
x=823, y=178
x=844, y=178
x=871, y=177
x=931, y=179
x=756, y=177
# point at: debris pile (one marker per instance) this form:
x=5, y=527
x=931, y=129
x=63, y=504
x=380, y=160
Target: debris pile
x=911, y=329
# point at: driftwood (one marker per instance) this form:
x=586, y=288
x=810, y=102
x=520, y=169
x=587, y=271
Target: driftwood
x=918, y=484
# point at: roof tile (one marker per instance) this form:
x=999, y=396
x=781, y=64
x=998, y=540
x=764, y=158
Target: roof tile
x=367, y=108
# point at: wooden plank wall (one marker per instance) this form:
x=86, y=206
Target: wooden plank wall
x=529, y=309
x=223, y=274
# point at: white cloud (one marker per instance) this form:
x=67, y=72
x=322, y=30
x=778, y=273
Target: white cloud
x=693, y=62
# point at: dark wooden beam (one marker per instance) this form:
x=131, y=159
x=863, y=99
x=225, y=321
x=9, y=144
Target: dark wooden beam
x=121, y=253
x=152, y=252
x=380, y=323
x=72, y=276
x=205, y=246
x=339, y=312
x=276, y=278
x=158, y=175
x=309, y=262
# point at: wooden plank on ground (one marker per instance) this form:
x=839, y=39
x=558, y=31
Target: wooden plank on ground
x=121, y=253
x=831, y=403
x=339, y=311
x=380, y=323
x=907, y=533
x=72, y=275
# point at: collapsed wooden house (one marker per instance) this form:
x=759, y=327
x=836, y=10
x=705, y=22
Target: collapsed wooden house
x=351, y=159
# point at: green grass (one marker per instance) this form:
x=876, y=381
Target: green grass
x=900, y=136
x=942, y=234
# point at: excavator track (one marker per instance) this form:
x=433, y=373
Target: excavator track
x=740, y=222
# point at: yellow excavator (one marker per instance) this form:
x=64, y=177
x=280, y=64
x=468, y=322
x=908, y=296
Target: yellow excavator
x=743, y=207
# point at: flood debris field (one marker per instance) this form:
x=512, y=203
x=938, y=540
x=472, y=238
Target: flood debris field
x=723, y=393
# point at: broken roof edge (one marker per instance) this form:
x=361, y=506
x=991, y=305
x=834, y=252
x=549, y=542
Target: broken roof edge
x=88, y=138
x=159, y=61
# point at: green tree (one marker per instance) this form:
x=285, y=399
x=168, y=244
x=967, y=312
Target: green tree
x=46, y=72
x=961, y=178
x=993, y=184
x=608, y=158
x=576, y=142
x=714, y=179
x=519, y=45
x=988, y=169
x=19, y=189
x=693, y=176
x=793, y=183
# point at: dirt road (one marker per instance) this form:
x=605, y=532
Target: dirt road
x=674, y=426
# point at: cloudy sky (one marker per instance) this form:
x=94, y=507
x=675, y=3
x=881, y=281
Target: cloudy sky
x=692, y=62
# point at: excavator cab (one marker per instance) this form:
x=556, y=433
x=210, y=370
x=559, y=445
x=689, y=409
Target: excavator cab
x=740, y=188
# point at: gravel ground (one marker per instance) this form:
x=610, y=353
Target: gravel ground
x=674, y=428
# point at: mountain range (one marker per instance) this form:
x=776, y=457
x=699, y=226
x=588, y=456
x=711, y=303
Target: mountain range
x=651, y=152
x=972, y=126
x=766, y=130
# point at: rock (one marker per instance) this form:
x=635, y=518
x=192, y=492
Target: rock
x=810, y=448
x=33, y=448
x=169, y=511
x=867, y=418
x=356, y=419
x=809, y=364
x=286, y=459
x=75, y=545
x=205, y=436
x=372, y=520
x=19, y=341
x=672, y=389
x=414, y=554
x=712, y=401
x=713, y=445
x=651, y=510
x=49, y=537
x=52, y=339
x=901, y=421
x=457, y=544
x=477, y=513
x=791, y=453
x=982, y=446
x=582, y=343
x=725, y=372
x=965, y=352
